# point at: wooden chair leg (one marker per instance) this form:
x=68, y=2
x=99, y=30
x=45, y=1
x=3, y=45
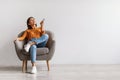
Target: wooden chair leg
x=24, y=66
x=48, y=66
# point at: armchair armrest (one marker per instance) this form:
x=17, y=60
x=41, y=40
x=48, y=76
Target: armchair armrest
x=51, y=49
x=18, y=48
x=19, y=44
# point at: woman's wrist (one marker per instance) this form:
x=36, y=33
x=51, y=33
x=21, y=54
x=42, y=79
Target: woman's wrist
x=41, y=25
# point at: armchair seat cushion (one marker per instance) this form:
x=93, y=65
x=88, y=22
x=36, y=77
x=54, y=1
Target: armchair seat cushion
x=40, y=51
x=43, y=50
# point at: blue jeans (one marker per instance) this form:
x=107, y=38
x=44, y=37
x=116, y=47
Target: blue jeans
x=40, y=42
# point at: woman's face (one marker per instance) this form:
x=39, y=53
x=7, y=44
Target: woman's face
x=32, y=22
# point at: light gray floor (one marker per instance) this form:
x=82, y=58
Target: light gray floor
x=63, y=72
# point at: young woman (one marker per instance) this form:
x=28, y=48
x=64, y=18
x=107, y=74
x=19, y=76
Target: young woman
x=36, y=37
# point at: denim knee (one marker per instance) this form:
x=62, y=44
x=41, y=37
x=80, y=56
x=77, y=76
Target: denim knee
x=33, y=46
x=46, y=36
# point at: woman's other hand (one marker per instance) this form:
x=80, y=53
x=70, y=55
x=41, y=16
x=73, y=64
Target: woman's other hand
x=42, y=22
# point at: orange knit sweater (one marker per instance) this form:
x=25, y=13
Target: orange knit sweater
x=32, y=33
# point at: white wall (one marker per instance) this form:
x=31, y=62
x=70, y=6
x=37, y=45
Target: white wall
x=86, y=31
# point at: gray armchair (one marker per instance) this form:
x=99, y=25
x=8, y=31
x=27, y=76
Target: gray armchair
x=43, y=53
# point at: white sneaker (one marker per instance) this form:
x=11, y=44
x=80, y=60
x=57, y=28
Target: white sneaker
x=34, y=70
x=27, y=47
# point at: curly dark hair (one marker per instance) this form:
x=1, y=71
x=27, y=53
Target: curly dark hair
x=29, y=27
